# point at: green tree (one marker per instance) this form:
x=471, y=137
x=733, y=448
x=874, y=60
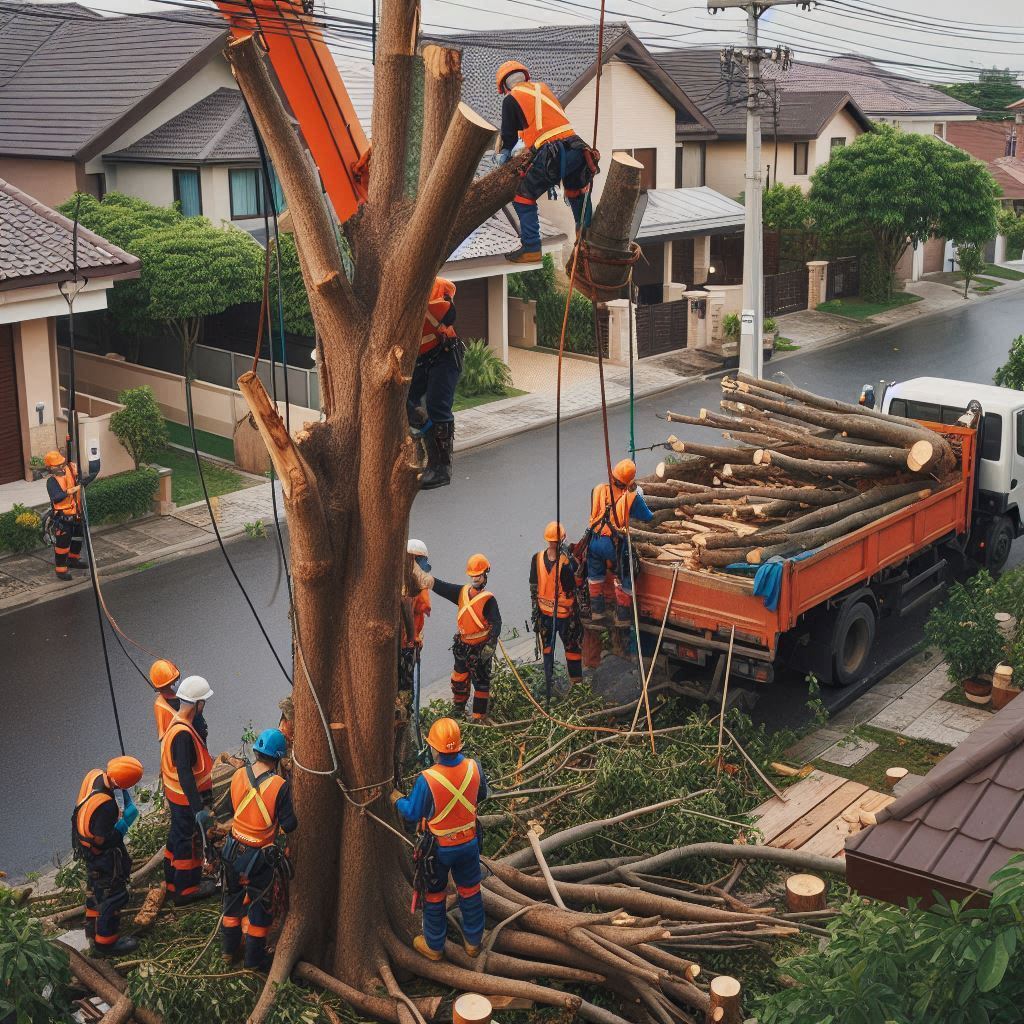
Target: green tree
x=1011, y=225
x=140, y=425
x=786, y=207
x=1011, y=373
x=902, y=188
x=994, y=91
x=297, y=317
x=971, y=260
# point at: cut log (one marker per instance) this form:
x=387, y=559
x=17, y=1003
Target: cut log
x=804, y=495
x=658, y=538
x=893, y=775
x=151, y=905
x=471, y=1008
x=715, y=452
x=805, y=893
x=725, y=996
x=680, y=472
x=737, y=529
x=721, y=557
x=838, y=468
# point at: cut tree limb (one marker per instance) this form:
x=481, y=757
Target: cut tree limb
x=715, y=452
x=442, y=88
x=725, y=995
x=805, y=893
x=373, y=1006
x=818, y=467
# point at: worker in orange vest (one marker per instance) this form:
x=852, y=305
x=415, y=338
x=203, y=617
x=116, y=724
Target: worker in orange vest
x=262, y=803
x=65, y=493
x=434, y=380
x=98, y=827
x=611, y=508
x=416, y=608
x=553, y=597
x=445, y=797
x=530, y=112
x=163, y=674
x=479, y=625
x=186, y=769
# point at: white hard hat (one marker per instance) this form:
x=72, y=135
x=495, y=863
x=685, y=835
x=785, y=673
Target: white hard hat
x=418, y=548
x=193, y=689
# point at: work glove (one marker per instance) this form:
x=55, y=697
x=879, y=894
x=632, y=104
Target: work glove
x=487, y=652
x=130, y=816
x=204, y=819
x=502, y=157
x=423, y=579
x=395, y=796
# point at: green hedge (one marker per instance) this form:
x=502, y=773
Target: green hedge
x=540, y=285
x=20, y=530
x=122, y=496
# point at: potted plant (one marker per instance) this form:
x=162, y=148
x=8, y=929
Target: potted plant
x=731, y=339
x=769, y=332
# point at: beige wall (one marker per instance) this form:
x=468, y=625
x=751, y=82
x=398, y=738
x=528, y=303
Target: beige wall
x=923, y=125
x=155, y=184
x=36, y=383
x=725, y=167
x=49, y=181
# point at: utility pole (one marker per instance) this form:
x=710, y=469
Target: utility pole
x=752, y=315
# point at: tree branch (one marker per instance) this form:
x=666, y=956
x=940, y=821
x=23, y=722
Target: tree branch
x=442, y=87
x=484, y=198
x=372, y=1006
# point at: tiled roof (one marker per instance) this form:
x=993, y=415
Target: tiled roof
x=497, y=236
x=36, y=245
x=70, y=81
x=879, y=92
x=682, y=212
x=962, y=822
x=1009, y=174
x=987, y=140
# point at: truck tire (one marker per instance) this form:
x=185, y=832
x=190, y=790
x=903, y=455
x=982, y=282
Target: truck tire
x=998, y=541
x=852, y=639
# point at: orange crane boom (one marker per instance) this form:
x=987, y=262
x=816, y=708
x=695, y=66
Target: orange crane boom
x=315, y=91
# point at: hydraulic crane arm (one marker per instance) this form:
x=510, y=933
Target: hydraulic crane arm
x=315, y=92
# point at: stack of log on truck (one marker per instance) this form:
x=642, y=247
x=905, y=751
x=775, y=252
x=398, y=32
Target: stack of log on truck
x=815, y=519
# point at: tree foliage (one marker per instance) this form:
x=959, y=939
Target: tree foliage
x=34, y=974
x=1011, y=225
x=1011, y=373
x=971, y=261
x=993, y=92
x=786, y=207
x=140, y=425
x=541, y=287
x=297, y=317
x=902, y=188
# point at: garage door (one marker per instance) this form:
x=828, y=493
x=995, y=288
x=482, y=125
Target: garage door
x=12, y=462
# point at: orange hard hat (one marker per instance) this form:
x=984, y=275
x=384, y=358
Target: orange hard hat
x=554, y=532
x=163, y=672
x=477, y=565
x=507, y=69
x=445, y=736
x=624, y=472
x=53, y=459
x=124, y=772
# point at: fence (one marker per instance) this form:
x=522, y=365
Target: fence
x=843, y=278
x=661, y=328
x=219, y=366
x=785, y=293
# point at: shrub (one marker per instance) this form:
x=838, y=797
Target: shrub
x=875, y=280
x=140, y=425
x=122, y=496
x=1011, y=373
x=965, y=630
x=34, y=974
x=540, y=286
x=731, y=325
x=19, y=530
x=770, y=324
x=483, y=373
x=972, y=262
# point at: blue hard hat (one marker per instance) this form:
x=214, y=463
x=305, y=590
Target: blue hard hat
x=271, y=743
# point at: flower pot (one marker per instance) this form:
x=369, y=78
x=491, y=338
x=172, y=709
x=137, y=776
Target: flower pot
x=978, y=690
x=1003, y=690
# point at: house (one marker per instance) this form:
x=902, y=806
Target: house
x=955, y=828
x=36, y=257
x=799, y=129
x=1000, y=146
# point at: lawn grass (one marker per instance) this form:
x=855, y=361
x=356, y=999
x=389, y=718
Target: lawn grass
x=785, y=345
x=917, y=756
x=861, y=309
x=472, y=401
x=211, y=444
x=185, y=485
x=1007, y=273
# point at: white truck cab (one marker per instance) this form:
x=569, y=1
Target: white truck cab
x=1000, y=497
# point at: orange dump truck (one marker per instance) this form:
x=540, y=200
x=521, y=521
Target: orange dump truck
x=829, y=602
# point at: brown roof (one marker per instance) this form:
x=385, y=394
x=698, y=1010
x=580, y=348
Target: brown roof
x=36, y=246
x=990, y=142
x=957, y=827
x=72, y=82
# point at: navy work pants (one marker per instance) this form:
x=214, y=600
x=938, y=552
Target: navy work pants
x=248, y=901
x=462, y=862
x=544, y=173
x=107, y=874
x=434, y=380
x=183, y=859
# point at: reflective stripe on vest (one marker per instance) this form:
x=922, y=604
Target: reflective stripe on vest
x=255, y=822
x=441, y=295
x=473, y=627
x=454, y=789
x=163, y=713
x=72, y=503
x=92, y=794
x=202, y=770
x=603, y=518
x=546, y=121
x=546, y=587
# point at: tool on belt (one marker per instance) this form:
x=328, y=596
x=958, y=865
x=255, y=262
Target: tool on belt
x=424, y=864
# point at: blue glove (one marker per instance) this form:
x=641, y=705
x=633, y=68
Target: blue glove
x=121, y=826
x=130, y=816
x=502, y=157
x=126, y=798
x=204, y=819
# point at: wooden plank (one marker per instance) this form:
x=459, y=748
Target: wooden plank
x=775, y=816
x=831, y=840
x=810, y=824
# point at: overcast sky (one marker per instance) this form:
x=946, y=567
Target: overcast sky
x=940, y=40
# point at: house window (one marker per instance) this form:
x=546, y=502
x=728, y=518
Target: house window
x=939, y=129
x=187, y=191
x=837, y=142
x=649, y=158
x=800, y=151
x=679, y=166
x=1011, y=142
x=248, y=195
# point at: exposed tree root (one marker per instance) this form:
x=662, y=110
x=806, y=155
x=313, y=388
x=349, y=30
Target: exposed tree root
x=372, y=1006
x=87, y=973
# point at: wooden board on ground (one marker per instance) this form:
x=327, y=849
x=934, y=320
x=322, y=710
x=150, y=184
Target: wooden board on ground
x=819, y=816
x=775, y=815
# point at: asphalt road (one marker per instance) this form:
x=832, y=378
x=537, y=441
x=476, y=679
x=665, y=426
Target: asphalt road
x=57, y=720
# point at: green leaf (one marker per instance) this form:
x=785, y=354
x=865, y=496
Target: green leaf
x=992, y=967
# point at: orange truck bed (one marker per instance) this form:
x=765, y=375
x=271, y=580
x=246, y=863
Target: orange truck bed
x=706, y=606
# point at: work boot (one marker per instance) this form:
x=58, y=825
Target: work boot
x=124, y=945
x=230, y=959
x=598, y=609
x=207, y=888
x=90, y=928
x=440, y=444
x=524, y=256
x=459, y=712
x=65, y=576
x=473, y=951
x=421, y=947
x=79, y=563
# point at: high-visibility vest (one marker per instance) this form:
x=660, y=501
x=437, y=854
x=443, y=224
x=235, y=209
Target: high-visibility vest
x=202, y=770
x=255, y=803
x=441, y=296
x=162, y=713
x=546, y=121
x=454, y=789
x=473, y=627
x=71, y=505
x=420, y=611
x=606, y=518
x=546, y=587
x=92, y=794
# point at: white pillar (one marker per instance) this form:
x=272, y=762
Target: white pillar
x=917, y=262
x=619, y=313
x=497, y=316
x=1000, y=253
x=666, y=269
x=701, y=260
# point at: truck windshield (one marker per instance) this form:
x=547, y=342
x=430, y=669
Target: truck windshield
x=992, y=435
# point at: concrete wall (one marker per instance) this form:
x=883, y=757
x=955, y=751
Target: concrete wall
x=94, y=429
x=34, y=352
x=49, y=181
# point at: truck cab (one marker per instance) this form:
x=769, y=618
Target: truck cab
x=1000, y=475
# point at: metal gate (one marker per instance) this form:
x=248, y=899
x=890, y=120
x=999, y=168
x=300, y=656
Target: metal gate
x=661, y=328
x=843, y=281
x=785, y=293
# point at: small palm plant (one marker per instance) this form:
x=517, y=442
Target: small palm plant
x=483, y=373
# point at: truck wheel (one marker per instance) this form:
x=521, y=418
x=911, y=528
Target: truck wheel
x=852, y=639
x=998, y=541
